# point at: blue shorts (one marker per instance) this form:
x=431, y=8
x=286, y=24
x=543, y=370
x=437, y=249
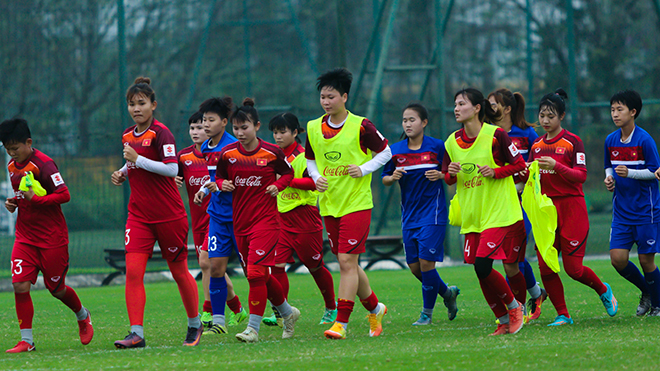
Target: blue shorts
x=623, y=236
x=221, y=239
x=425, y=242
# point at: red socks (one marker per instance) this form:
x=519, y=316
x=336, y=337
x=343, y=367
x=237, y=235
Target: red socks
x=136, y=264
x=71, y=300
x=279, y=273
x=323, y=279
x=577, y=271
x=258, y=296
x=498, y=285
x=519, y=287
x=370, y=303
x=187, y=287
x=555, y=289
x=207, y=307
x=344, y=310
x=275, y=292
x=234, y=304
x=24, y=310
x=494, y=302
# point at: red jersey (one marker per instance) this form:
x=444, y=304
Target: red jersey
x=305, y=218
x=504, y=152
x=571, y=169
x=195, y=172
x=154, y=198
x=251, y=173
x=40, y=221
x=370, y=137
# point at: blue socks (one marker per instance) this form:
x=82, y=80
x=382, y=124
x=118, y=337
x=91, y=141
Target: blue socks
x=527, y=271
x=432, y=285
x=653, y=283
x=218, y=293
x=632, y=274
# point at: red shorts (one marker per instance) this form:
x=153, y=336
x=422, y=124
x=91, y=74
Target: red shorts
x=201, y=241
x=572, y=225
x=258, y=248
x=28, y=260
x=172, y=238
x=505, y=243
x=348, y=234
x=308, y=247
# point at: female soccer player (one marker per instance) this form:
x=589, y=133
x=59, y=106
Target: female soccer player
x=150, y=168
x=339, y=159
x=194, y=173
x=42, y=237
x=522, y=134
x=563, y=165
x=481, y=159
x=249, y=169
x=301, y=228
x=631, y=157
x=414, y=165
x=221, y=241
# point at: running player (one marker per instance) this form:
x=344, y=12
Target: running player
x=563, y=165
x=631, y=157
x=42, y=237
x=193, y=172
x=414, y=165
x=342, y=171
x=481, y=159
x=522, y=134
x=221, y=241
x=150, y=168
x=249, y=169
x=301, y=228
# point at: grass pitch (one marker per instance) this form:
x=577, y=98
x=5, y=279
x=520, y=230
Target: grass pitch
x=594, y=342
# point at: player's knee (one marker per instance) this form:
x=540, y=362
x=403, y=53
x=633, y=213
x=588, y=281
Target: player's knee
x=21, y=287
x=483, y=267
x=257, y=274
x=59, y=294
x=619, y=264
x=574, y=272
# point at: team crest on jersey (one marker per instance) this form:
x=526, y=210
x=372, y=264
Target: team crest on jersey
x=169, y=151
x=615, y=153
x=560, y=150
x=537, y=149
x=513, y=149
x=57, y=179
x=232, y=160
x=581, y=158
x=332, y=156
x=146, y=142
x=262, y=162
x=188, y=162
x=400, y=159
x=468, y=168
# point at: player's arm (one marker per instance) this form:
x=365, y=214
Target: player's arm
x=450, y=169
x=10, y=204
x=514, y=163
x=306, y=183
x=651, y=155
x=119, y=176
x=57, y=192
x=376, y=142
x=609, y=171
x=577, y=173
x=390, y=174
x=178, y=179
x=283, y=168
x=313, y=170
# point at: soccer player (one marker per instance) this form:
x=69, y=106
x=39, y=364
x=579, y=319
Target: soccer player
x=42, y=237
x=563, y=169
x=150, y=168
x=481, y=160
x=193, y=171
x=221, y=240
x=522, y=134
x=339, y=158
x=249, y=169
x=301, y=229
x=631, y=157
x=414, y=165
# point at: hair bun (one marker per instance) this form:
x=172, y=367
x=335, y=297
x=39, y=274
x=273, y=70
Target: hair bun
x=248, y=102
x=142, y=80
x=561, y=93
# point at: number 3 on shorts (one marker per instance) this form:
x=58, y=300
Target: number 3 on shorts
x=127, y=239
x=16, y=266
x=213, y=243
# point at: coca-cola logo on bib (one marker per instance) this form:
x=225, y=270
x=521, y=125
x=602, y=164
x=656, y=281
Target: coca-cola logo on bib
x=335, y=171
x=251, y=181
x=195, y=181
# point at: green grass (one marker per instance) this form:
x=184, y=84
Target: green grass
x=594, y=342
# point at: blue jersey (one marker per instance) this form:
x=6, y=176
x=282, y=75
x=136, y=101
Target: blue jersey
x=422, y=201
x=634, y=201
x=220, y=206
x=523, y=139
